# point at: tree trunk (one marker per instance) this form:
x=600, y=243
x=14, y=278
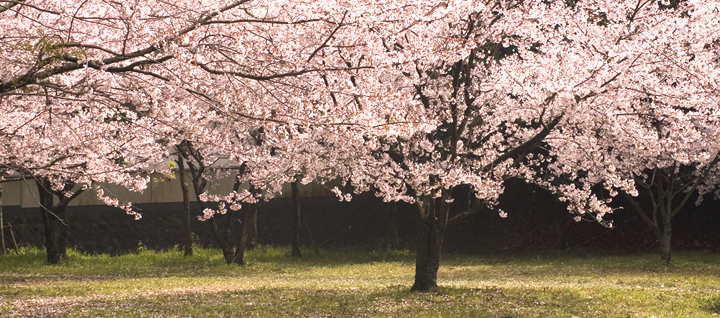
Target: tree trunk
x=651, y=219
x=224, y=245
x=296, y=219
x=2, y=224
x=64, y=235
x=431, y=229
x=199, y=182
x=52, y=234
x=187, y=216
x=239, y=257
x=665, y=239
x=51, y=221
x=427, y=261
x=55, y=217
x=247, y=223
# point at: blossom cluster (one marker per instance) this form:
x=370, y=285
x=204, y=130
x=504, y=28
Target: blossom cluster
x=404, y=98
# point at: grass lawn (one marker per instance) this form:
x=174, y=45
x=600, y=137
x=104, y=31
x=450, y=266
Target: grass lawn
x=357, y=284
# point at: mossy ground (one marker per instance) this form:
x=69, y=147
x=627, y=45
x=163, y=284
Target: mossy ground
x=353, y=283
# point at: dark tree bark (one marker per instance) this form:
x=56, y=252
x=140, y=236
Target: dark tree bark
x=666, y=239
x=296, y=226
x=239, y=221
x=427, y=261
x=239, y=254
x=2, y=224
x=667, y=191
x=562, y=222
x=227, y=250
x=187, y=215
x=197, y=167
x=432, y=223
x=51, y=222
x=245, y=225
x=64, y=238
x=55, y=220
x=244, y=220
x=434, y=218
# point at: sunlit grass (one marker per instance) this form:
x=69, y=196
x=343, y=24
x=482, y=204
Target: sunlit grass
x=354, y=283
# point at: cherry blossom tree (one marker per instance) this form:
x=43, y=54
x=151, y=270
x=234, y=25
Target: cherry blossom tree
x=410, y=99
x=178, y=70
x=656, y=141
x=222, y=220
x=667, y=152
x=535, y=73
x=69, y=152
x=74, y=72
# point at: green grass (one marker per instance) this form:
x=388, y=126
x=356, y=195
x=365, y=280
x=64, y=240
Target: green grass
x=353, y=283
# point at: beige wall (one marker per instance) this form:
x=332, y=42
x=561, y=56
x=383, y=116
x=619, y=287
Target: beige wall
x=12, y=192
x=159, y=190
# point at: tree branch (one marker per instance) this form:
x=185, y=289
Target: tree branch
x=11, y=5
x=474, y=208
x=277, y=75
x=526, y=146
x=33, y=75
x=328, y=38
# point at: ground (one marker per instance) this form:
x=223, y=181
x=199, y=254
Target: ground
x=353, y=283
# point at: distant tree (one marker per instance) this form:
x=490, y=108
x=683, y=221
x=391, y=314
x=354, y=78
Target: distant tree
x=658, y=155
x=655, y=141
x=533, y=74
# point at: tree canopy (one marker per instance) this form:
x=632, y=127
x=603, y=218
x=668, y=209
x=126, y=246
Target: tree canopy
x=408, y=99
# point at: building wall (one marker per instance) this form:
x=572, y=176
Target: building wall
x=534, y=223
x=159, y=190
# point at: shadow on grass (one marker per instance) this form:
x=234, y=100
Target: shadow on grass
x=712, y=305
x=266, y=260
x=547, y=264
x=391, y=301
x=352, y=283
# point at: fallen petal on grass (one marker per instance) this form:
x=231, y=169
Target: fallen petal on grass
x=351, y=283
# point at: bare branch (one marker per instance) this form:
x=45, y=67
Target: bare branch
x=277, y=75
x=328, y=38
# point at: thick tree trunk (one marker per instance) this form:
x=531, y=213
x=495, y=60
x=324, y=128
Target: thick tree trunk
x=52, y=238
x=431, y=229
x=52, y=223
x=665, y=240
x=248, y=224
x=296, y=226
x=224, y=244
x=186, y=216
x=427, y=261
x=239, y=257
x=2, y=224
x=64, y=225
x=55, y=217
